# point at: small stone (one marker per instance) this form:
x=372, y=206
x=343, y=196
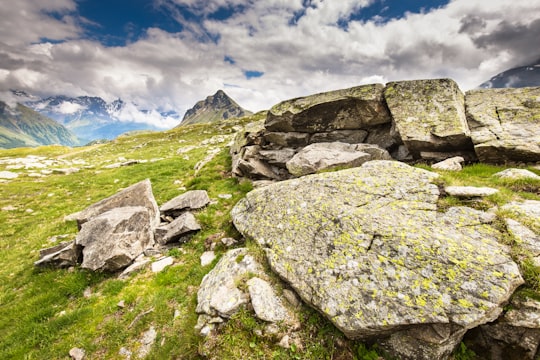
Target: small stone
x=207, y=257
x=87, y=292
x=452, y=164
x=517, y=174
x=266, y=304
x=469, y=191
x=225, y=196
x=147, y=340
x=121, y=304
x=176, y=313
x=271, y=329
x=285, y=342
x=228, y=242
x=125, y=353
x=292, y=298
x=29, y=211
x=161, y=264
x=8, y=175
x=76, y=353
x=9, y=208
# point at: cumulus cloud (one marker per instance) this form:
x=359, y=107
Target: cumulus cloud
x=300, y=47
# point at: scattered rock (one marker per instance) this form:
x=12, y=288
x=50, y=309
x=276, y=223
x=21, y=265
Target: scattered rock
x=225, y=196
x=9, y=208
x=452, y=164
x=120, y=164
x=139, y=194
x=218, y=294
x=191, y=200
x=527, y=211
x=180, y=227
x=66, y=171
x=265, y=302
x=504, y=124
x=140, y=263
x=161, y=264
x=368, y=248
x=292, y=298
x=125, y=353
x=112, y=240
x=207, y=257
x=515, y=174
x=8, y=175
x=429, y=115
x=469, y=191
x=147, y=340
x=285, y=342
x=63, y=255
x=76, y=353
x=121, y=304
x=229, y=242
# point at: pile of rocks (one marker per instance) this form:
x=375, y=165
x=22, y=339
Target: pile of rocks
x=429, y=120
x=119, y=229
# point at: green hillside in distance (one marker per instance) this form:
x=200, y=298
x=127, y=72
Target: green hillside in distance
x=23, y=127
x=214, y=108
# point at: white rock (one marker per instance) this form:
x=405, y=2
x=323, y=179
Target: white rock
x=76, y=353
x=267, y=305
x=451, y=164
x=161, y=264
x=207, y=257
x=516, y=174
x=469, y=191
x=8, y=175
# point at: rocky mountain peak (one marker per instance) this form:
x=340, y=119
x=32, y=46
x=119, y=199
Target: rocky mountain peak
x=214, y=108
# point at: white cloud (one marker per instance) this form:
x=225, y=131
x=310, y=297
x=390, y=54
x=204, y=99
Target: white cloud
x=68, y=108
x=300, y=51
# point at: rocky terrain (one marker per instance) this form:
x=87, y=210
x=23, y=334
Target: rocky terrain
x=214, y=108
x=343, y=250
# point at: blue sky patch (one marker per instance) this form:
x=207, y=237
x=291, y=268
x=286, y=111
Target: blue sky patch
x=250, y=74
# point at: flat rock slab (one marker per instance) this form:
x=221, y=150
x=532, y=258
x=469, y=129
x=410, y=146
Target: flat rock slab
x=347, y=109
x=139, y=194
x=112, y=240
x=515, y=174
x=62, y=255
x=368, y=249
x=429, y=115
x=505, y=124
x=181, y=226
x=161, y=264
x=190, y=200
x=469, y=191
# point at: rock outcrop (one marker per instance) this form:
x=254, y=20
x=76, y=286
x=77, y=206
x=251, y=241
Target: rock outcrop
x=505, y=124
x=429, y=120
x=214, y=108
x=368, y=249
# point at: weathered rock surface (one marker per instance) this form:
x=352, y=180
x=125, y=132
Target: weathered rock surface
x=469, y=191
x=190, y=200
x=451, y=164
x=515, y=174
x=218, y=294
x=63, y=255
x=514, y=336
x=181, y=226
x=505, y=124
x=429, y=115
x=321, y=156
x=528, y=211
x=347, y=109
x=139, y=194
x=525, y=238
x=266, y=303
x=112, y=240
x=368, y=249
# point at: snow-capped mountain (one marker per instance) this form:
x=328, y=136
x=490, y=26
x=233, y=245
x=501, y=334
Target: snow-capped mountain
x=92, y=118
x=522, y=76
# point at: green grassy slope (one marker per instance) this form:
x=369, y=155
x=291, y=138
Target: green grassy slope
x=23, y=126
x=44, y=313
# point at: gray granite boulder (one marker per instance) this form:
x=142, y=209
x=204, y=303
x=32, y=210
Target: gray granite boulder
x=369, y=249
x=347, y=109
x=505, y=124
x=322, y=156
x=429, y=115
x=112, y=240
x=63, y=255
x=190, y=200
x=516, y=174
x=139, y=194
x=180, y=227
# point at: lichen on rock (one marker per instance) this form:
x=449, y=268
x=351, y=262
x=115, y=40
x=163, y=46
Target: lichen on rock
x=368, y=249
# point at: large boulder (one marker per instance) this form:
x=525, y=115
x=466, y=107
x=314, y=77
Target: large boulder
x=322, y=156
x=369, y=249
x=139, y=194
x=347, y=109
x=429, y=115
x=505, y=124
x=112, y=240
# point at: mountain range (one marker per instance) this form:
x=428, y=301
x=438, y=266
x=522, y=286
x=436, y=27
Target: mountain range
x=90, y=118
x=214, y=108
x=23, y=127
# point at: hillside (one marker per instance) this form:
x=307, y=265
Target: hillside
x=214, y=108
x=22, y=127
x=359, y=259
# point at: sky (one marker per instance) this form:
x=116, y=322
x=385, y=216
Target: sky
x=166, y=55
